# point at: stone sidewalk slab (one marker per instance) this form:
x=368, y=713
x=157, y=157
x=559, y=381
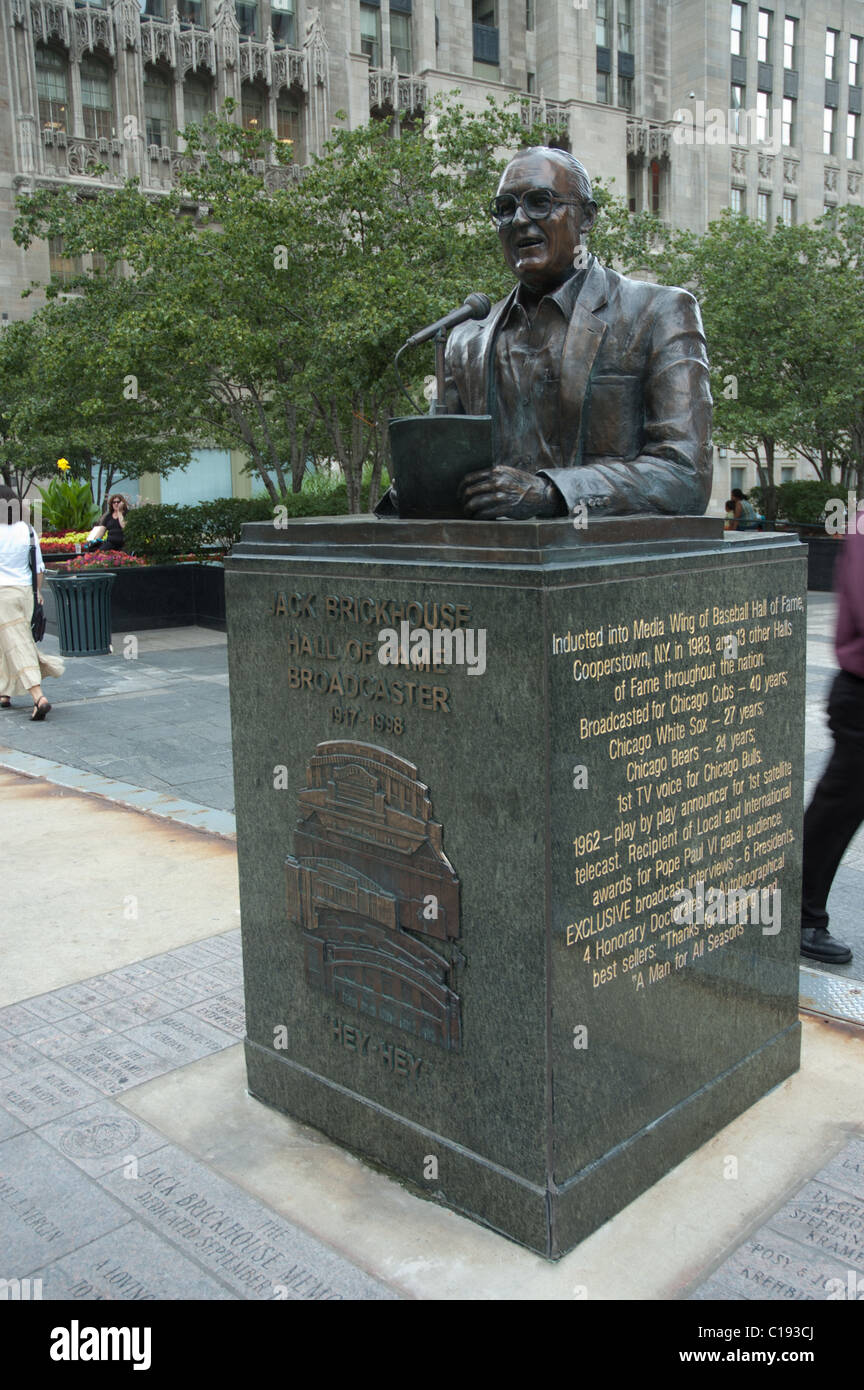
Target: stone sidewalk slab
x=811, y=1248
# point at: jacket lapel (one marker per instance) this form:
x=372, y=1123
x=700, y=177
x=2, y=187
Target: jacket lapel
x=585, y=333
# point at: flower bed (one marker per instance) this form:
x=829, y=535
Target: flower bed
x=102, y=560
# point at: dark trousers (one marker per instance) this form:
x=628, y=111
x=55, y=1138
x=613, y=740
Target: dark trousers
x=837, y=808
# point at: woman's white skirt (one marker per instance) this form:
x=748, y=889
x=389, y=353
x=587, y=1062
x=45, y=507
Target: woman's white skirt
x=22, y=665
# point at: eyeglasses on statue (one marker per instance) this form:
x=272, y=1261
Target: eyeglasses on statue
x=536, y=204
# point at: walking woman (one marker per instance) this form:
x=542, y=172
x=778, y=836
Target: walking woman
x=22, y=665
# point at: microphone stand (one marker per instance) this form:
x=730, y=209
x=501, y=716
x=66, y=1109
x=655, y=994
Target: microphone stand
x=438, y=407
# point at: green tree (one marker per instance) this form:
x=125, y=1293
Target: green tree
x=277, y=305
x=74, y=386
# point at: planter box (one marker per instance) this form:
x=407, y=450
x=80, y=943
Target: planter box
x=162, y=596
x=822, y=552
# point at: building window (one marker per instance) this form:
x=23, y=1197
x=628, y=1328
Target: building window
x=288, y=129
x=737, y=101
x=829, y=131
x=602, y=25
x=529, y=14
x=604, y=88
x=252, y=108
x=763, y=39
x=790, y=38
x=763, y=207
x=247, y=17
x=737, y=477
x=633, y=188
x=763, y=117
x=63, y=268
x=96, y=99
x=831, y=37
x=788, y=123
x=852, y=124
x=787, y=475
x=625, y=28
x=52, y=89
x=191, y=12
x=854, y=61
x=155, y=9
x=197, y=100
x=656, y=188
x=625, y=93
x=157, y=107
x=283, y=23
x=400, y=41
x=788, y=213
x=531, y=83
x=737, y=34
x=370, y=34
x=736, y=201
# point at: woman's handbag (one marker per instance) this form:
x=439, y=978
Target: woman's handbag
x=37, y=622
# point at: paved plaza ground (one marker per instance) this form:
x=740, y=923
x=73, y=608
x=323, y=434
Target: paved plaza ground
x=132, y=1161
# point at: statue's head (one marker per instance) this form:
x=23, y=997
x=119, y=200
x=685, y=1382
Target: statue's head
x=543, y=207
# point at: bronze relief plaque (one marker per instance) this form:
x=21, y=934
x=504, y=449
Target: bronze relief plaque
x=373, y=892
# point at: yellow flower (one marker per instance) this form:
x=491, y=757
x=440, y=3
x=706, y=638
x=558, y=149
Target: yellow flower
x=63, y=464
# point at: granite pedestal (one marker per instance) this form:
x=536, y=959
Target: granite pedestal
x=469, y=951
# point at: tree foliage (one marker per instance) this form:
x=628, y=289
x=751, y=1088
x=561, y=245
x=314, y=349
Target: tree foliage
x=267, y=318
x=784, y=319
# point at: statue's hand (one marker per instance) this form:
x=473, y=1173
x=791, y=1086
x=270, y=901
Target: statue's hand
x=510, y=492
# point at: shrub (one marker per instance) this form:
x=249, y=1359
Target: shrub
x=804, y=503
x=165, y=532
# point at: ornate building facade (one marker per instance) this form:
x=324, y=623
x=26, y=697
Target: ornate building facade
x=690, y=105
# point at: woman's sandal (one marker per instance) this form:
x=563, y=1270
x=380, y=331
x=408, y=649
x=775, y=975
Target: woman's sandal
x=40, y=708
x=5, y=702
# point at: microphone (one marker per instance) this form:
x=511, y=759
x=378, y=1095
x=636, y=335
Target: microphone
x=476, y=306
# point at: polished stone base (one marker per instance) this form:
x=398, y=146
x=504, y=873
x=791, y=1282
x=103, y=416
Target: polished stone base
x=457, y=884
x=549, y=1219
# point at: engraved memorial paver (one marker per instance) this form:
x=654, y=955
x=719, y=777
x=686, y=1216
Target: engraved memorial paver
x=258, y=1254
x=82, y=997
x=181, y=1038
x=15, y=1018
x=811, y=1249
x=101, y=1137
x=226, y=1012
x=48, y=1008
x=115, y=1065
x=19, y=1054
x=178, y=994
x=36, y=1096
x=167, y=965
x=47, y=1206
x=132, y=1264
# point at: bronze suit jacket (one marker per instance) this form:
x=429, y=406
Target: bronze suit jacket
x=635, y=400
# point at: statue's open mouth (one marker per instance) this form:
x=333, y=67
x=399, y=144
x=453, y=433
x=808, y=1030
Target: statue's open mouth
x=529, y=242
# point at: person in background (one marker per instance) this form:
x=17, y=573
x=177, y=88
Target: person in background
x=112, y=524
x=837, y=807
x=729, y=505
x=745, y=516
x=22, y=665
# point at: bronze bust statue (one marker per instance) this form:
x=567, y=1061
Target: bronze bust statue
x=597, y=384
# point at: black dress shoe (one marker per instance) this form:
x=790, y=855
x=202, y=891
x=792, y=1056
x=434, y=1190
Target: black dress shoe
x=817, y=943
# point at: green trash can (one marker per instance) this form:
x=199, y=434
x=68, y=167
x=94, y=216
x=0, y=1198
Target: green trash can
x=83, y=604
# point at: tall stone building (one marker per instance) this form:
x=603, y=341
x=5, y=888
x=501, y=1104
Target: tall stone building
x=690, y=105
